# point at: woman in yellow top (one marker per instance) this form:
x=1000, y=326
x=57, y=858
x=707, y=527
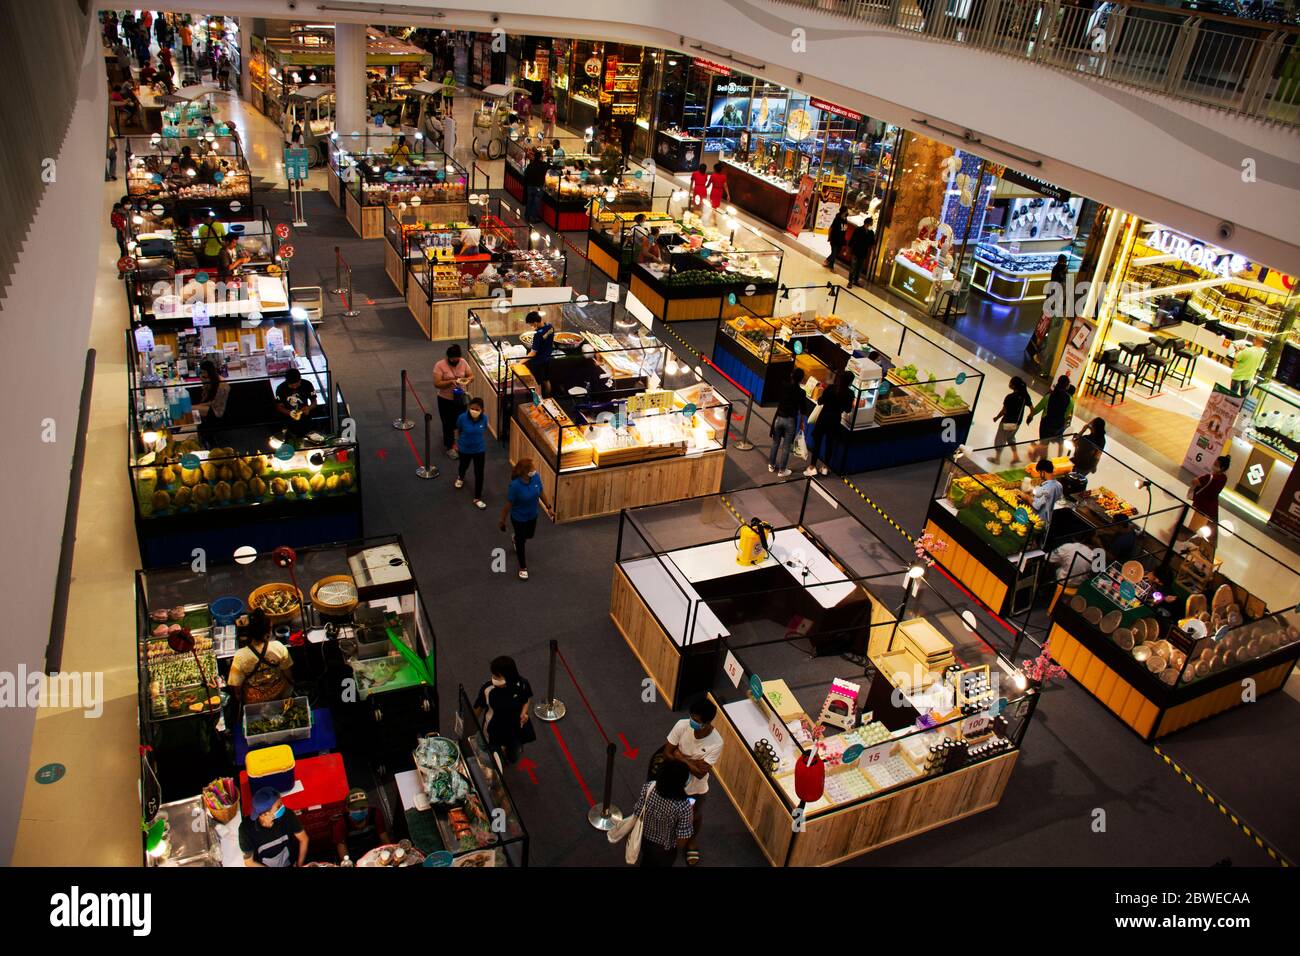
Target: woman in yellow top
x=262, y=669
x=401, y=152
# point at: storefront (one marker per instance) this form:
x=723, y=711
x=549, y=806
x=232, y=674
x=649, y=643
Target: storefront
x=256, y=477
x=340, y=609
x=823, y=759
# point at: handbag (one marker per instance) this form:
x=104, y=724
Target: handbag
x=816, y=413
x=800, y=447
x=630, y=828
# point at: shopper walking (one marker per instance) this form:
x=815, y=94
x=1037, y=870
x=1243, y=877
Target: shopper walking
x=1055, y=407
x=826, y=422
x=450, y=376
x=110, y=174
x=785, y=424
x=534, y=179
x=667, y=815
x=548, y=115
x=718, y=190
x=118, y=219
x=837, y=237
x=695, y=743
x=1009, y=417
x=449, y=135
x=1204, y=492
x=700, y=189
x=1088, y=446
x=502, y=707
x=471, y=445
x=187, y=44
x=521, y=508
x=864, y=238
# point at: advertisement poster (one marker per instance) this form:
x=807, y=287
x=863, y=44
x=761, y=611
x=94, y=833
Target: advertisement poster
x=830, y=196
x=1286, y=516
x=1075, y=356
x=1213, y=430
x=799, y=211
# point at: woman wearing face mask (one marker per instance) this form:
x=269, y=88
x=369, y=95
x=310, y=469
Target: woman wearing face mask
x=361, y=829
x=521, y=508
x=471, y=442
x=502, y=707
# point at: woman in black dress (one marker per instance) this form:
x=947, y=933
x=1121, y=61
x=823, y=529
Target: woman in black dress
x=502, y=707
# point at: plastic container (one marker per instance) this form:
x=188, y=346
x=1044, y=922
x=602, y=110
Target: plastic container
x=226, y=609
x=271, y=708
x=271, y=767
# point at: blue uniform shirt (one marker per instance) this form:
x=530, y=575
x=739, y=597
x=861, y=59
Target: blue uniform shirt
x=470, y=434
x=543, y=341
x=523, y=496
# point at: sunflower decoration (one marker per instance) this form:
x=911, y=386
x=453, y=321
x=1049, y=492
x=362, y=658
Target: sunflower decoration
x=1008, y=497
x=1019, y=530
x=990, y=505
x=995, y=529
x=1036, y=521
x=1004, y=516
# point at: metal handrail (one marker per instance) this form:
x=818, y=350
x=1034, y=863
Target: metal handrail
x=1247, y=67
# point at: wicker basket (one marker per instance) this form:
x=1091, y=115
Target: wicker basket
x=275, y=618
x=334, y=610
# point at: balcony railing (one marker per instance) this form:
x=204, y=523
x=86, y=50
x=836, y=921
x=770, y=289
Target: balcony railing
x=1242, y=66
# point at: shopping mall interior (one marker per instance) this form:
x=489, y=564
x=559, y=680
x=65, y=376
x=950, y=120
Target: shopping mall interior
x=419, y=425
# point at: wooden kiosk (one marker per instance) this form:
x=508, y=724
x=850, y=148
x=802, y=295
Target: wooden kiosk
x=701, y=623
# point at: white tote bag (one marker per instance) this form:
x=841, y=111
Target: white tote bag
x=629, y=827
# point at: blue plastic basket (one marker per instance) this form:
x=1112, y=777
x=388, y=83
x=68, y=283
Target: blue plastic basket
x=226, y=609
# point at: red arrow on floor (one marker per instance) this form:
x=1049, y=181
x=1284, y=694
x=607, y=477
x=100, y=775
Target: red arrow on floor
x=629, y=751
x=529, y=766
x=381, y=454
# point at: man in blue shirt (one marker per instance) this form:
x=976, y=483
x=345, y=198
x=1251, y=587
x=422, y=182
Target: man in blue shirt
x=538, y=358
x=1048, y=492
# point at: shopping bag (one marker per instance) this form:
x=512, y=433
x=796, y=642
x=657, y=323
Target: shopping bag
x=800, y=447
x=623, y=828
x=632, y=849
x=816, y=413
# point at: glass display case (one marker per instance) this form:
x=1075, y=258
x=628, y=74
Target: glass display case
x=1275, y=421
x=414, y=241
x=256, y=472
x=210, y=175
x=574, y=182
x=431, y=179
x=1016, y=276
x=612, y=238
x=759, y=336
x=516, y=163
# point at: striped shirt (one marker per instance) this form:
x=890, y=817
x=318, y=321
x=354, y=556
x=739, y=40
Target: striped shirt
x=664, y=821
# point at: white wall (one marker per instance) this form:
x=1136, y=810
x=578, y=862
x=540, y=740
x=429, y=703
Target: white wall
x=1170, y=161
x=46, y=323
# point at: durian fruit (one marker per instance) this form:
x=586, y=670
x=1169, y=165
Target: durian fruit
x=190, y=476
x=209, y=469
x=161, y=501
x=300, y=485
x=317, y=483
x=184, y=497
x=243, y=472
x=258, y=464
x=202, y=495
x=225, y=473
x=222, y=491
x=168, y=476
x=258, y=487
x=279, y=487
x=239, y=490
x=345, y=480
x=332, y=483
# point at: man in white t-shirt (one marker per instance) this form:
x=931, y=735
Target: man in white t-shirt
x=695, y=743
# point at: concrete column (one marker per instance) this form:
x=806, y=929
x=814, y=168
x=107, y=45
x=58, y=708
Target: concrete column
x=245, y=56
x=350, y=77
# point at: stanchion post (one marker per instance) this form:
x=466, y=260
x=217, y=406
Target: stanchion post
x=402, y=423
x=604, y=815
x=745, y=444
x=428, y=469
x=550, y=709
x=351, y=311
x=338, y=271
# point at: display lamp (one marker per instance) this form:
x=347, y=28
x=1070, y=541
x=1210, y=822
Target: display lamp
x=914, y=575
x=1069, y=446
x=286, y=558
x=245, y=554
x=968, y=620
x=312, y=78
x=1227, y=525
x=419, y=136
x=274, y=442
x=1020, y=680
x=1204, y=531
x=731, y=211
x=138, y=219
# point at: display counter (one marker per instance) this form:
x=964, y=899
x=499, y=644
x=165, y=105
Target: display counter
x=929, y=737
x=257, y=477
x=516, y=163
x=1263, y=448
x=1162, y=660
x=431, y=181
x=590, y=336
x=410, y=237
x=1016, y=276
x=351, y=613
x=611, y=240
x=620, y=428
x=916, y=282
x=210, y=178
x=572, y=184
x=770, y=198
x=705, y=273
x=676, y=151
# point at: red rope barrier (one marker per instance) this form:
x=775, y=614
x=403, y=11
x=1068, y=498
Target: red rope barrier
x=411, y=389
x=585, y=702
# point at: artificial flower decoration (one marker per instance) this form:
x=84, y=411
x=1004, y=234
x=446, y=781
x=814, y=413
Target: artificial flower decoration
x=995, y=529
x=1004, y=515
x=1019, y=530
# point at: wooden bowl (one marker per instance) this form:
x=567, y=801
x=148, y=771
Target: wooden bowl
x=1093, y=616
x=1078, y=604
x=275, y=617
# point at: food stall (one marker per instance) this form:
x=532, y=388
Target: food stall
x=521, y=267
x=1162, y=660
x=352, y=617
x=410, y=237
x=572, y=183
x=823, y=758
x=610, y=239
x=616, y=427
x=706, y=272
x=172, y=283
x=259, y=478
x=432, y=181
x=218, y=184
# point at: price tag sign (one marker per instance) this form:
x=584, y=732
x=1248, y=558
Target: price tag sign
x=286, y=251
x=961, y=378
x=689, y=409
x=882, y=390
x=1127, y=591
x=285, y=452
x=731, y=667
x=755, y=688
x=282, y=231
x=731, y=298
x=611, y=291
x=144, y=339
x=778, y=732
x=852, y=753
x=798, y=346
x=1022, y=516
x=190, y=462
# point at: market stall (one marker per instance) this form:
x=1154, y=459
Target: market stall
x=410, y=237
x=211, y=178
x=518, y=265
x=431, y=181
x=173, y=280
x=350, y=616
x=704, y=272
x=254, y=476
x=611, y=238
x=573, y=182
x=768, y=624
x=616, y=426
x=1166, y=650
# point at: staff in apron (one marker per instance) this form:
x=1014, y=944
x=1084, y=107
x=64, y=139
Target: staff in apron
x=262, y=670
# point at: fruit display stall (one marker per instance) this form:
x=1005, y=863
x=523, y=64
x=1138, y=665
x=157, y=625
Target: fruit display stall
x=1165, y=653
x=362, y=712
x=708, y=273
x=262, y=479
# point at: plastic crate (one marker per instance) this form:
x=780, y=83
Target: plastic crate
x=270, y=708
